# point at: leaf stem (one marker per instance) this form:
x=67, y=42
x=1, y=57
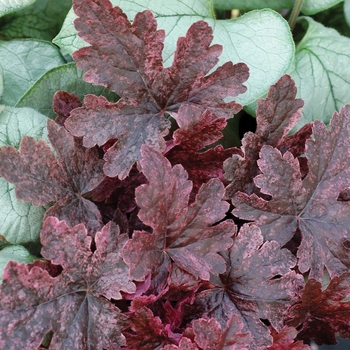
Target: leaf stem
x=295, y=13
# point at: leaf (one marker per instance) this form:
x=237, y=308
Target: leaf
x=22, y=63
x=285, y=340
x=19, y=222
x=182, y=234
x=299, y=204
x=318, y=71
x=14, y=252
x=42, y=20
x=321, y=314
x=67, y=77
x=268, y=52
x=148, y=90
x=198, y=129
x=258, y=284
x=309, y=7
x=275, y=117
x=74, y=304
x=40, y=177
x=14, y=5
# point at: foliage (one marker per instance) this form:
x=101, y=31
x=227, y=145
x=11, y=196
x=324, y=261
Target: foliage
x=140, y=218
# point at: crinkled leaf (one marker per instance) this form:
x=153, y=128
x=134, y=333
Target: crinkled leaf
x=22, y=62
x=258, y=284
x=198, y=129
x=133, y=68
x=309, y=205
x=268, y=52
x=284, y=340
x=321, y=314
x=67, y=77
x=40, y=177
x=319, y=73
x=19, y=222
x=73, y=304
x=182, y=234
x=41, y=20
x=14, y=252
x=275, y=117
x=13, y=5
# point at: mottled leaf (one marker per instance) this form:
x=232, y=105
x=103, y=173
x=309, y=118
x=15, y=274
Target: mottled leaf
x=258, y=284
x=275, y=117
x=308, y=204
x=127, y=59
x=322, y=314
x=182, y=234
x=41, y=177
x=284, y=340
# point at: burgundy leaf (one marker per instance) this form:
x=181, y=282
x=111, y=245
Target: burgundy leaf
x=321, y=314
x=127, y=59
x=182, y=234
x=67, y=179
x=275, y=117
x=284, y=340
x=63, y=104
x=198, y=129
x=258, y=284
x=311, y=204
x=74, y=305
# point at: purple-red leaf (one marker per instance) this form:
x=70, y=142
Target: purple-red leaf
x=182, y=234
x=74, y=305
x=41, y=177
x=322, y=314
x=258, y=284
x=284, y=340
x=127, y=58
x=275, y=117
x=308, y=205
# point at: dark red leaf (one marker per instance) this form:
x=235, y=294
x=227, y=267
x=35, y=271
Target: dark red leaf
x=321, y=314
x=127, y=58
x=275, y=117
x=311, y=204
x=41, y=177
x=258, y=284
x=63, y=104
x=181, y=234
x=284, y=340
x=74, y=305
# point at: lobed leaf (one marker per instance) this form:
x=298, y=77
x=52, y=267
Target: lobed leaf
x=133, y=68
x=41, y=177
x=311, y=204
x=74, y=304
x=182, y=235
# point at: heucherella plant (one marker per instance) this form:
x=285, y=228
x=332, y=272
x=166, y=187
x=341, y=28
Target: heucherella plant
x=154, y=225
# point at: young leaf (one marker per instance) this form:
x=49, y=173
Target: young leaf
x=73, y=304
x=133, y=68
x=40, y=177
x=258, y=283
x=198, y=129
x=182, y=234
x=298, y=204
x=321, y=314
x=275, y=117
x=284, y=340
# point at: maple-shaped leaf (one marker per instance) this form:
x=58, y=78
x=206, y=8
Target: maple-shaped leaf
x=322, y=314
x=284, y=340
x=197, y=130
x=276, y=115
x=73, y=305
x=42, y=177
x=258, y=284
x=182, y=234
x=309, y=205
x=127, y=59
